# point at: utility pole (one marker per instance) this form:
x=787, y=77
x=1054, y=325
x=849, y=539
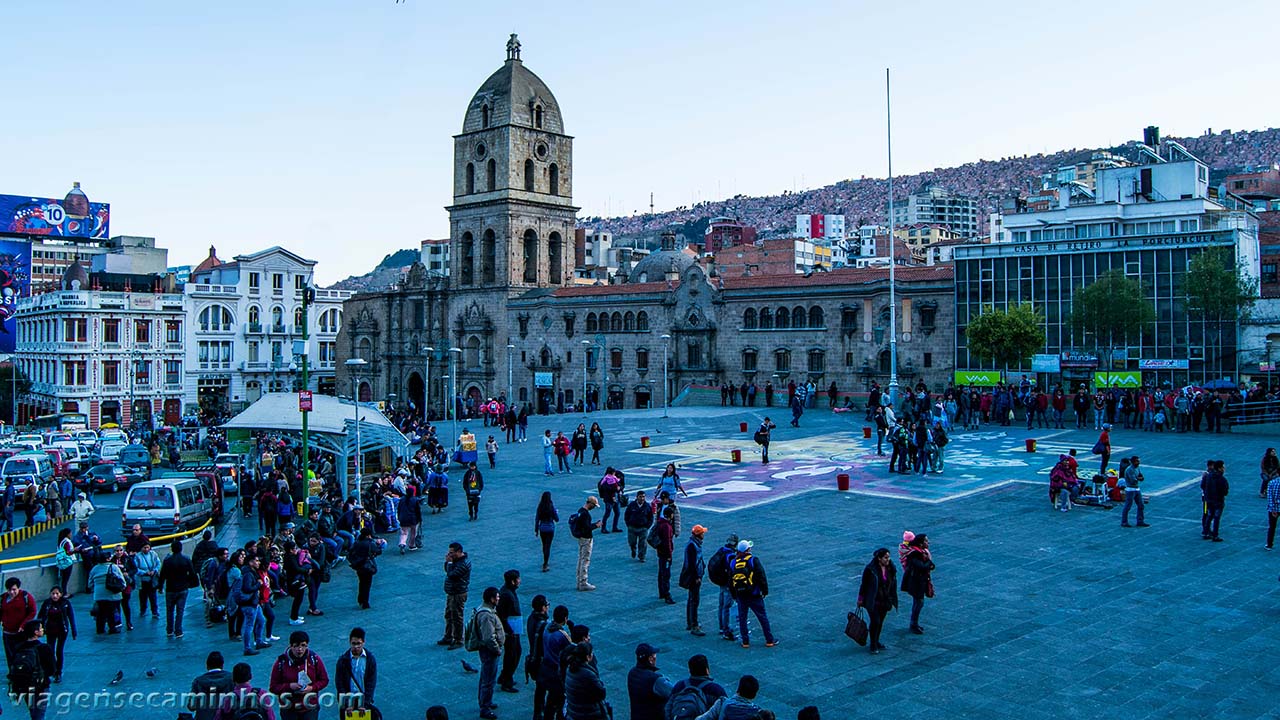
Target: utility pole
x=308, y=297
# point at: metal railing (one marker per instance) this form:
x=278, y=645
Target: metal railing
x=1253, y=413
x=58, y=521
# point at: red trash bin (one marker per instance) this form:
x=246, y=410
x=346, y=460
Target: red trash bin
x=742, y=427
x=842, y=481
x=866, y=432
x=644, y=441
x=736, y=455
x=1031, y=444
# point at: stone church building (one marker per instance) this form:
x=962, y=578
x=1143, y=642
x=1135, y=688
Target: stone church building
x=509, y=318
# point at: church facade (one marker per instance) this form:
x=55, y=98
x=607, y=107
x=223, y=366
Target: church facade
x=508, y=321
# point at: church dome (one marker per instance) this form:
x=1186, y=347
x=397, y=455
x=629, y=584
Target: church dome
x=75, y=277
x=513, y=96
x=658, y=266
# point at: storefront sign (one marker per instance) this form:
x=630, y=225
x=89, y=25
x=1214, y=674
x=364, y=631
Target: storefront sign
x=1163, y=364
x=542, y=379
x=1119, y=359
x=1046, y=363
x=981, y=378
x=1118, y=379
x=1075, y=359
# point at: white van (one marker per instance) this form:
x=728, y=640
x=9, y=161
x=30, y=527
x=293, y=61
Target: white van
x=166, y=506
x=25, y=467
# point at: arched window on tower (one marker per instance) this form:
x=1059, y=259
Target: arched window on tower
x=766, y=319
x=484, y=116
x=492, y=175
x=528, y=175
x=642, y=321
x=798, y=317
x=615, y=322
x=815, y=317
x=530, y=256
x=555, y=179
x=537, y=116
x=466, y=271
x=488, y=256
x=629, y=322
x=471, y=178
x=555, y=254
x=782, y=319
x=591, y=322
x=749, y=319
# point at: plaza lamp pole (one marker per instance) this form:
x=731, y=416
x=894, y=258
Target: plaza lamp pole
x=893, y=302
x=454, y=352
x=308, y=297
x=510, y=388
x=354, y=365
x=666, y=386
x=426, y=392
x=586, y=352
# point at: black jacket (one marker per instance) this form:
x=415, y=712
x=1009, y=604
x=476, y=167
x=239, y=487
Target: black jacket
x=457, y=576
x=204, y=550
x=584, y=693
x=177, y=574
x=508, y=606
x=44, y=653
x=206, y=692
x=915, y=574
x=59, y=618
x=871, y=583
x=363, y=555
x=1214, y=486
x=638, y=516
x=648, y=691
x=342, y=676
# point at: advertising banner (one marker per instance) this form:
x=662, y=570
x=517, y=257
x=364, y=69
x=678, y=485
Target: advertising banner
x=72, y=217
x=1118, y=379
x=542, y=379
x=1077, y=359
x=15, y=282
x=981, y=378
x=1163, y=364
x=1046, y=363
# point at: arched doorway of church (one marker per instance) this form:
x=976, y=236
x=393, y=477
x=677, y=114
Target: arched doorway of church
x=417, y=392
x=643, y=395
x=474, y=399
x=365, y=392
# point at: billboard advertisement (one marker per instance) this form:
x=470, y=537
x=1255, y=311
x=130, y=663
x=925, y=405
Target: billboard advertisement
x=15, y=282
x=1118, y=379
x=981, y=378
x=71, y=217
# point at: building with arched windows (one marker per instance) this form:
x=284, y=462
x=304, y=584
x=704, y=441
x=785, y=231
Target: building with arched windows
x=508, y=318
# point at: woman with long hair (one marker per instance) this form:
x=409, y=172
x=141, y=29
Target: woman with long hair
x=234, y=572
x=917, y=572
x=878, y=593
x=579, y=443
x=59, y=624
x=596, y=435
x=1270, y=469
x=544, y=525
x=65, y=559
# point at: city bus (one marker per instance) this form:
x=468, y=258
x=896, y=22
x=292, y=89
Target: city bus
x=65, y=422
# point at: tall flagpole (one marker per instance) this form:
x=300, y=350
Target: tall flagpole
x=893, y=301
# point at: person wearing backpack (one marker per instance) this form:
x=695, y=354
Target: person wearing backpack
x=647, y=688
x=457, y=579
x=207, y=690
x=484, y=635
x=473, y=484
x=694, y=695
x=297, y=677
x=582, y=528
x=30, y=668
x=638, y=518
x=664, y=533
x=750, y=587
x=937, y=453
x=741, y=706
x=691, y=579
x=59, y=620
x=107, y=582
x=609, y=487
x=245, y=702
x=718, y=574
x=762, y=437
x=17, y=608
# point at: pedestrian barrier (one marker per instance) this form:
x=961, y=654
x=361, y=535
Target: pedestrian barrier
x=842, y=481
x=735, y=455
x=644, y=441
x=13, y=537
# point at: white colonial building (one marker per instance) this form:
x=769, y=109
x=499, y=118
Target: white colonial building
x=246, y=327
x=110, y=347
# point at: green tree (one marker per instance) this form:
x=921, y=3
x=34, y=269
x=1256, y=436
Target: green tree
x=1009, y=337
x=6, y=389
x=1113, y=311
x=1218, y=293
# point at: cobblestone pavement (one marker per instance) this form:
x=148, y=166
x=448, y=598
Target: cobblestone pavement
x=1038, y=614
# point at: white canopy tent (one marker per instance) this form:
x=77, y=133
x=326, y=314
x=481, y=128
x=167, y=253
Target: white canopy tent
x=331, y=426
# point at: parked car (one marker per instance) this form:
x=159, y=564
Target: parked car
x=107, y=476
x=26, y=467
x=166, y=505
x=206, y=474
x=54, y=437
x=86, y=437
x=109, y=451
x=77, y=459
x=111, y=432
x=136, y=457
x=59, y=460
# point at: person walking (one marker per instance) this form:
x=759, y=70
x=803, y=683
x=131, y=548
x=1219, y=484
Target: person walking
x=509, y=614
x=491, y=449
x=582, y=528
x=457, y=579
x=596, y=436
x=1132, y=493
x=473, y=484
x=1273, y=510
x=544, y=526
x=647, y=688
x=107, y=595
x=82, y=509
x=750, y=587
x=763, y=436
x=638, y=518
x=670, y=483
x=355, y=675
x=917, y=577
x=30, y=669
x=1214, y=487
x=59, y=620
x=610, y=487
x=65, y=559
x=1270, y=470
x=210, y=688
x=492, y=639
x=579, y=443
x=718, y=574
x=691, y=579
x=409, y=513
x=363, y=558
x=7, y=500
x=298, y=677
x=878, y=593
x=176, y=578
x=548, y=449
x=664, y=531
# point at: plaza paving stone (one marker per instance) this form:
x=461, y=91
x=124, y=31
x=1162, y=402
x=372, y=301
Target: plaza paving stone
x=1038, y=614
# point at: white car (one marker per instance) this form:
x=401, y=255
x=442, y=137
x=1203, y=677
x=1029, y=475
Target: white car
x=35, y=442
x=86, y=437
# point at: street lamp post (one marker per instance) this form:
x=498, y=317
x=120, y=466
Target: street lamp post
x=666, y=386
x=426, y=392
x=354, y=365
x=133, y=379
x=453, y=383
x=586, y=352
x=510, y=388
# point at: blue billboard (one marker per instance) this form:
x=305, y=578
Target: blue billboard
x=71, y=217
x=15, y=282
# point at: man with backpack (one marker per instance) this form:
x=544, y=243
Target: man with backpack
x=473, y=484
x=696, y=694
x=298, y=676
x=246, y=702
x=938, y=447
x=484, y=635
x=582, y=528
x=208, y=689
x=639, y=516
x=17, y=608
x=647, y=688
x=662, y=538
x=739, y=707
x=750, y=587
x=30, y=668
x=718, y=574
x=691, y=579
x=762, y=437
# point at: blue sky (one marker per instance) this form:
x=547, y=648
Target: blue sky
x=326, y=127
